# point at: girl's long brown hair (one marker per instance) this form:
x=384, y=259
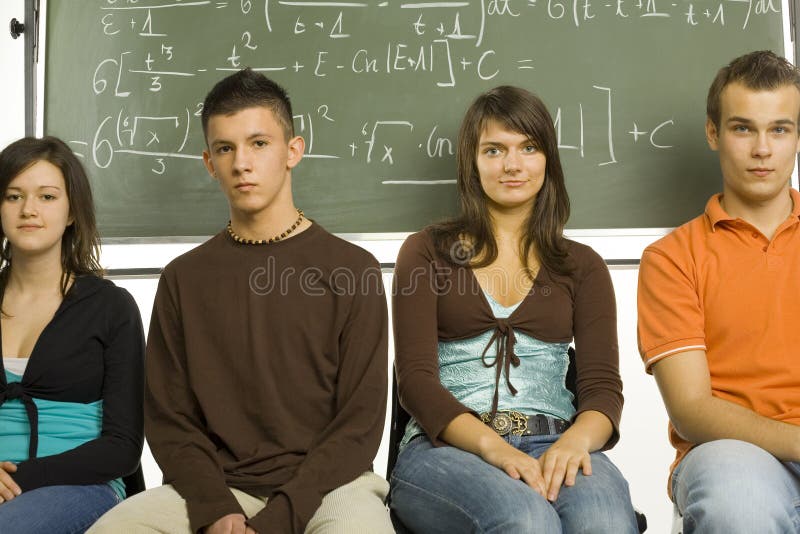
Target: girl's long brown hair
x=469, y=238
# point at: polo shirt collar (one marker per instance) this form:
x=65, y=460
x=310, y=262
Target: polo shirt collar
x=716, y=214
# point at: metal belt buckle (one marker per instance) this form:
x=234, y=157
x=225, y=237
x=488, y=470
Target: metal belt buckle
x=506, y=421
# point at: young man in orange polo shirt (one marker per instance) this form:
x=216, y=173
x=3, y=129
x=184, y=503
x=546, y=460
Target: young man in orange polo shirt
x=719, y=314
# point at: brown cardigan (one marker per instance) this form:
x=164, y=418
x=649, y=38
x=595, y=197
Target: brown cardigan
x=266, y=371
x=434, y=300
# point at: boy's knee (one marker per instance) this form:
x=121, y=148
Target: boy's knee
x=736, y=516
x=735, y=486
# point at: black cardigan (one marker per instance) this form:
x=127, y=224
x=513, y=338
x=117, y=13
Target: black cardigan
x=92, y=349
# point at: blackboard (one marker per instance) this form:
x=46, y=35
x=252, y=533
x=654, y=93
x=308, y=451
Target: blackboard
x=379, y=88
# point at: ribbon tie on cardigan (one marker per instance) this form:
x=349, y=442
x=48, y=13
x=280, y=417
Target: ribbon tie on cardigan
x=503, y=339
x=14, y=390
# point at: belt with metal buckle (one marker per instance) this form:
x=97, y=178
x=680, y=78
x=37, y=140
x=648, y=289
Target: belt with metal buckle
x=519, y=424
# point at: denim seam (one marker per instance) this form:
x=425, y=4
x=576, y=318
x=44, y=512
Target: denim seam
x=796, y=516
x=475, y=524
x=688, y=520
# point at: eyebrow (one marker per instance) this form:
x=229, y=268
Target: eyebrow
x=498, y=143
x=249, y=138
x=40, y=187
x=745, y=120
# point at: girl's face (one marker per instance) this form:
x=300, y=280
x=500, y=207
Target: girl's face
x=511, y=168
x=35, y=210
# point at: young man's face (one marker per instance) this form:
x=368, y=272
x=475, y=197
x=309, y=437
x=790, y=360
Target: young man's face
x=757, y=140
x=249, y=155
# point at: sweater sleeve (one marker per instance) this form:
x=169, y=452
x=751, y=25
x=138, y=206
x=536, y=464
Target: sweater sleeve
x=598, y=384
x=174, y=423
x=116, y=452
x=414, y=302
x=346, y=447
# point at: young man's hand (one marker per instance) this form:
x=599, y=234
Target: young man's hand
x=230, y=524
x=8, y=488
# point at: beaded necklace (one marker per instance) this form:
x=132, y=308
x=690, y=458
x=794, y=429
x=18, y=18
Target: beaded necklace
x=282, y=235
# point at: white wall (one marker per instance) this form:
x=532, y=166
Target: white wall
x=12, y=67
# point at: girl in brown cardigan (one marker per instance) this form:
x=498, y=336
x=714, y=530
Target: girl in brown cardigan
x=485, y=308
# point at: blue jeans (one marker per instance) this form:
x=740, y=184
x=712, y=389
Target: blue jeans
x=735, y=487
x=56, y=509
x=446, y=489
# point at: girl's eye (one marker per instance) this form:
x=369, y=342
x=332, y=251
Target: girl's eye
x=492, y=151
x=12, y=197
x=530, y=149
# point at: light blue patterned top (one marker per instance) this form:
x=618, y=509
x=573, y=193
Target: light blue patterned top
x=62, y=426
x=539, y=379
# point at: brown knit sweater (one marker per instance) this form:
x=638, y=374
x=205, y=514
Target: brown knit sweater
x=266, y=371
x=434, y=300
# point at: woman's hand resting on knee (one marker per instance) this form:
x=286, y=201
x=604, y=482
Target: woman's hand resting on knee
x=560, y=463
x=8, y=488
x=468, y=433
x=516, y=464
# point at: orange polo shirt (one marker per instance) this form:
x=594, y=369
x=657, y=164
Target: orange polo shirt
x=717, y=284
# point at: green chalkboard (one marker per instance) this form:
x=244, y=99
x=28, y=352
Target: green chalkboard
x=379, y=88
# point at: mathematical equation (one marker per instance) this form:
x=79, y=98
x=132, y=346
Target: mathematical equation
x=577, y=12
x=433, y=28
x=162, y=138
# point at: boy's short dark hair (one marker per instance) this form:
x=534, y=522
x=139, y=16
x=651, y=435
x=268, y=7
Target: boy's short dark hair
x=248, y=89
x=760, y=71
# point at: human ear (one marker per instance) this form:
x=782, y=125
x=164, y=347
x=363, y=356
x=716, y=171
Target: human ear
x=209, y=164
x=712, y=134
x=296, y=146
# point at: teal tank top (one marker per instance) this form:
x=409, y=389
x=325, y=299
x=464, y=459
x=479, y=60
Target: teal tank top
x=62, y=426
x=539, y=379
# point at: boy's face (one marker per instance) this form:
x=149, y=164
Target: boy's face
x=250, y=157
x=757, y=141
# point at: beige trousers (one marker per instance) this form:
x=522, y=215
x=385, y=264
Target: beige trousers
x=355, y=508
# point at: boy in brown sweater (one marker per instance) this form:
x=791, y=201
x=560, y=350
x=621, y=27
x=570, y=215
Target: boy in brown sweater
x=267, y=353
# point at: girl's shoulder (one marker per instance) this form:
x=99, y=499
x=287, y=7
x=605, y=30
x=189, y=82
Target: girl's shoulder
x=96, y=291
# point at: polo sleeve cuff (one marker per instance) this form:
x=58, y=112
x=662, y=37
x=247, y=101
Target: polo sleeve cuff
x=665, y=350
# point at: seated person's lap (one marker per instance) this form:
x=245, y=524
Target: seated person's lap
x=57, y=508
x=358, y=503
x=737, y=482
x=430, y=484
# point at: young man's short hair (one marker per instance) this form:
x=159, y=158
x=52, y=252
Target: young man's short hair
x=760, y=71
x=248, y=89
